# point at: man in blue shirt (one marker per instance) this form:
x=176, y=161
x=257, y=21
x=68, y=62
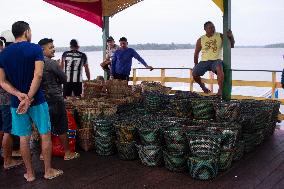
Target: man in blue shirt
x=21, y=70
x=122, y=61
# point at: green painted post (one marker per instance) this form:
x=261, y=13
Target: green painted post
x=227, y=88
x=105, y=36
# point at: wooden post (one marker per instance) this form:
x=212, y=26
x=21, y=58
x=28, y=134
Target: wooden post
x=227, y=87
x=273, y=85
x=190, y=80
x=134, y=80
x=105, y=36
x=163, y=75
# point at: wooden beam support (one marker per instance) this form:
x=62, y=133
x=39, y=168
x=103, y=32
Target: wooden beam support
x=227, y=87
x=105, y=36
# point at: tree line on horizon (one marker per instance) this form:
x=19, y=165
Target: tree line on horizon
x=156, y=46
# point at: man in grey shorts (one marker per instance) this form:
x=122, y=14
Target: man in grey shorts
x=210, y=45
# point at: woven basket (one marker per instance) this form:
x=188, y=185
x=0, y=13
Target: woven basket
x=225, y=159
x=105, y=146
x=176, y=162
x=125, y=132
x=175, y=140
x=150, y=156
x=203, y=109
x=203, y=168
x=150, y=136
x=227, y=111
x=127, y=151
x=204, y=144
x=239, y=153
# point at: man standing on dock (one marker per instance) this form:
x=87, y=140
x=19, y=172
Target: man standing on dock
x=122, y=61
x=53, y=78
x=210, y=45
x=21, y=70
x=72, y=63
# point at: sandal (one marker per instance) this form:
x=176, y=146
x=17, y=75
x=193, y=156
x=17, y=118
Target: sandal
x=71, y=156
x=14, y=164
x=57, y=173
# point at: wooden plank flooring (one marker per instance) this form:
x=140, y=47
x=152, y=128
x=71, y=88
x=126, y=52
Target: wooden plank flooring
x=261, y=169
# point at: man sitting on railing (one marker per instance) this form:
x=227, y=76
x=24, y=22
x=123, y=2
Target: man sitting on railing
x=210, y=45
x=122, y=61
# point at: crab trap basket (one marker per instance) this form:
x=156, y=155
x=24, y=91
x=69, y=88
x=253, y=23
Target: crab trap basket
x=227, y=111
x=181, y=107
x=175, y=161
x=153, y=101
x=105, y=146
x=150, y=156
x=240, y=148
x=125, y=131
x=203, y=168
x=203, y=109
x=225, y=159
x=175, y=140
x=204, y=144
x=86, y=138
x=127, y=151
x=149, y=136
x=103, y=127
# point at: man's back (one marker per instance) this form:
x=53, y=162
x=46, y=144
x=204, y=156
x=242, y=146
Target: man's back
x=73, y=65
x=18, y=61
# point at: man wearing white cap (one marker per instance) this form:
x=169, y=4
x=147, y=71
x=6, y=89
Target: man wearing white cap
x=7, y=38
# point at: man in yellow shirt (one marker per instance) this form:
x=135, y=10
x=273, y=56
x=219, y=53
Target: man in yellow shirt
x=211, y=47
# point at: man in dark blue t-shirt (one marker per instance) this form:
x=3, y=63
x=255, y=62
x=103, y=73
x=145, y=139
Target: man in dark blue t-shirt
x=21, y=70
x=122, y=61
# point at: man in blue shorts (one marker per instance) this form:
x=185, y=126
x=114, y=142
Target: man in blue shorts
x=210, y=45
x=21, y=70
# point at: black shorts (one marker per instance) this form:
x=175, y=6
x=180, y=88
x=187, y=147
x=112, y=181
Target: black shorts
x=5, y=119
x=58, y=117
x=121, y=77
x=70, y=88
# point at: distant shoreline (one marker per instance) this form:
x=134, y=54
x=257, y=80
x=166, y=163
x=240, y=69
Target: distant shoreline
x=155, y=46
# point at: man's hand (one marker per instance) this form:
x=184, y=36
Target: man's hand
x=150, y=67
x=22, y=96
x=229, y=34
x=24, y=106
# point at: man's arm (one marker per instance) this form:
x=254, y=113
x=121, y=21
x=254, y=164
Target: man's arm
x=38, y=73
x=61, y=76
x=141, y=60
x=230, y=37
x=9, y=88
x=197, y=51
x=87, y=70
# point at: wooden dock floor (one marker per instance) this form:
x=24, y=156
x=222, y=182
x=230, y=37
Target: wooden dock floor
x=262, y=169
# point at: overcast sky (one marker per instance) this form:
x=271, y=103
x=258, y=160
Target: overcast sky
x=254, y=22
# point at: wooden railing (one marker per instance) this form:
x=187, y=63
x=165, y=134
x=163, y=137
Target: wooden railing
x=273, y=84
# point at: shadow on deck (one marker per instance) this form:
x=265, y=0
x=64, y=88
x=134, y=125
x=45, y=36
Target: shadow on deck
x=261, y=169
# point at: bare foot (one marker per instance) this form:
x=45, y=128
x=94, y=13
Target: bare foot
x=12, y=164
x=53, y=173
x=29, y=178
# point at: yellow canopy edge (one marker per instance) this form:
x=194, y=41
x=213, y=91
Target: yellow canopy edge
x=220, y=4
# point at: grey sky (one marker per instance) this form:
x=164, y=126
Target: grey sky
x=254, y=22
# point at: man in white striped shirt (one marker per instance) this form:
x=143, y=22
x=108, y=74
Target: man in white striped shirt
x=73, y=62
